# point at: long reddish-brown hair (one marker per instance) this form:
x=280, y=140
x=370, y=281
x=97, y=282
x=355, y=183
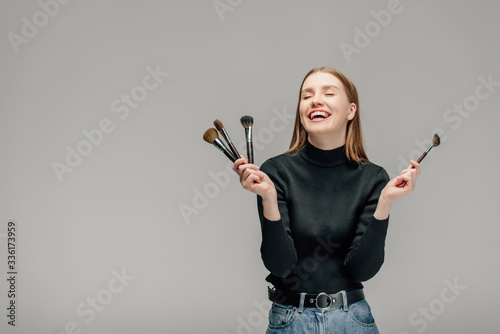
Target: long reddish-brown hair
x=354, y=139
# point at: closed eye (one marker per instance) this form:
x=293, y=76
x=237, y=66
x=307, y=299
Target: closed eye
x=306, y=97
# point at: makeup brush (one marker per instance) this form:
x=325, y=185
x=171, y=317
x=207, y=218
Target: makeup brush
x=223, y=132
x=435, y=142
x=247, y=122
x=212, y=137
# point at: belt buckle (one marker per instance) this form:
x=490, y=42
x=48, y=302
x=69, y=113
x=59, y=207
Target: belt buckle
x=332, y=300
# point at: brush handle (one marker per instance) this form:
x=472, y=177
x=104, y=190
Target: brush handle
x=233, y=149
x=421, y=157
x=229, y=155
x=250, y=152
x=220, y=145
x=224, y=134
x=424, y=154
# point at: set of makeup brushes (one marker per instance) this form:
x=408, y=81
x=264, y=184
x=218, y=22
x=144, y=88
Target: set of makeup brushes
x=212, y=137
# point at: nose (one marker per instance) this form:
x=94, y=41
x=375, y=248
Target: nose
x=316, y=102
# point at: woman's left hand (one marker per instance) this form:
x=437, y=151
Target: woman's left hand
x=403, y=184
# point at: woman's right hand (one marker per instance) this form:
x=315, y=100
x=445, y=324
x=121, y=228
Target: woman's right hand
x=254, y=180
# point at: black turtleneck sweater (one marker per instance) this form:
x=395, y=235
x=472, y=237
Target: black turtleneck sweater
x=327, y=238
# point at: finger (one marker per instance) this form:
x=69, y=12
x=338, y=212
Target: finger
x=250, y=181
x=409, y=171
x=417, y=166
x=414, y=165
x=238, y=162
x=399, y=180
x=247, y=165
x=409, y=181
x=402, y=180
x=260, y=174
x=405, y=177
x=249, y=171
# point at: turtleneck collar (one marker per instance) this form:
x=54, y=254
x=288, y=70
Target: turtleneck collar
x=324, y=158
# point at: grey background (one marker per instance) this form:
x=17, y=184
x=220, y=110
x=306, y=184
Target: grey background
x=120, y=209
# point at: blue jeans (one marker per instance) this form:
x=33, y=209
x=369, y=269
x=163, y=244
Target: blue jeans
x=355, y=318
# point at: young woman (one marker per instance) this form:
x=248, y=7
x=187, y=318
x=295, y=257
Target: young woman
x=324, y=211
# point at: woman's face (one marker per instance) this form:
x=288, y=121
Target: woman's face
x=324, y=107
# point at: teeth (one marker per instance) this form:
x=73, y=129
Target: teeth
x=318, y=114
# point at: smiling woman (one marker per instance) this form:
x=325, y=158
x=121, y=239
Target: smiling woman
x=323, y=191
x=329, y=90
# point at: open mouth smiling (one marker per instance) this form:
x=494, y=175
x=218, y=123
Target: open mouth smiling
x=318, y=115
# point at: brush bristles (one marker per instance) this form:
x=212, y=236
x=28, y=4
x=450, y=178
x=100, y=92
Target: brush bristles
x=435, y=140
x=210, y=135
x=218, y=125
x=246, y=121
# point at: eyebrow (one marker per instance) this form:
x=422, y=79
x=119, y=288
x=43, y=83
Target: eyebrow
x=325, y=86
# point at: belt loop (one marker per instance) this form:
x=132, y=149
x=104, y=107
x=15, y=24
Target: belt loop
x=344, y=300
x=301, y=304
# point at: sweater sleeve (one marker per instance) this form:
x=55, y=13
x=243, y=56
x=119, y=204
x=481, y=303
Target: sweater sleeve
x=277, y=248
x=366, y=253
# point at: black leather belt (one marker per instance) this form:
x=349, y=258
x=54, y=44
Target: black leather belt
x=322, y=300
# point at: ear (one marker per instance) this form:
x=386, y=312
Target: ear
x=352, y=111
